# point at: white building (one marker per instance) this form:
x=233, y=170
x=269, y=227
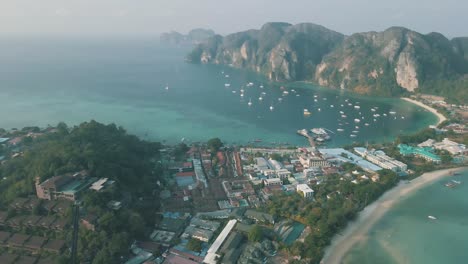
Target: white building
x=305, y=190
x=274, y=164
x=273, y=181
x=452, y=147
x=283, y=173
x=382, y=160
x=313, y=162
x=308, y=173
x=269, y=173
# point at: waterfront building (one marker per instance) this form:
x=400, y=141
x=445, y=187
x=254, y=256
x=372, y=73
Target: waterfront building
x=310, y=161
x=305, y=190
x=382, y=160
x=276, y=165
x=425, y=153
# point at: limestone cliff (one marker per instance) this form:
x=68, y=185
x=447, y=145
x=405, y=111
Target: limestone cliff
x=389, y=63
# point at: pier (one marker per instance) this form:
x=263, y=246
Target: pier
x=304, y=133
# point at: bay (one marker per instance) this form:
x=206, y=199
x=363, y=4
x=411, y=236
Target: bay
x=45, y=81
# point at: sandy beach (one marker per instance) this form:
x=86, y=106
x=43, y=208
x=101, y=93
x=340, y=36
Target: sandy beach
x=441, y=117
x=357, y=231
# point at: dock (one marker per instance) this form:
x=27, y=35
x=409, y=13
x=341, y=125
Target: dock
x=304, y=133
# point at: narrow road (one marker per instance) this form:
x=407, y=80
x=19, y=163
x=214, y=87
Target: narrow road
x=76, y=217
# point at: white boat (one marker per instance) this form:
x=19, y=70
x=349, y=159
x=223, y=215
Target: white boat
x=298, y=95
x=332, y=106
x=376, y=115
x=319, y=131
x=261, y=85
x=242, y=95
x=280, y=99
x=167, y=88
x=227, y=75
x=271, y=108
x=392, y=112
x=306, y=112
x=357, y=127
x=319, y=109
x=384, y=114
x=350, y=104
x=341, y=112
x=250, y=84
x=357, y=107
x=366, y=124
x=241, y=90
x=352, y=135
x=402, y=117
x=285, y=92
x=357, y=120
x=234, y=91
x=375, y=120
x=315, y=96
x=343, y=116
x=315, y=100
x=260, y=98
x=250, y=102
x=340, y=130
x=431, y=217
x=263, y=93
x=373, y=109
x=325, y=99
x=227, y=85
x=342, y=105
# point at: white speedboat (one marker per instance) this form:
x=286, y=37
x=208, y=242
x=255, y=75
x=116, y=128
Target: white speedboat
x=271, y=108
x=306, y=112
x=340, y=130
x=357, y=120
x=227, y=85
x=250, y=102
x=432, y=217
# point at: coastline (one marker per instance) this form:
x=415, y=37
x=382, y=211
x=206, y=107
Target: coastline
x=441, y=117
x=357, y=230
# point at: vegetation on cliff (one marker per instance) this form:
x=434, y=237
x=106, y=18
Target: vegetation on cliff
x=394, y=62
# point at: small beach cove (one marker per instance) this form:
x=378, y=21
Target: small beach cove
x=358, y=233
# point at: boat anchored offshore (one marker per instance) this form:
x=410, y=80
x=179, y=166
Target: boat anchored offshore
x=250, y=102
x=306, y=112
x=432, y=217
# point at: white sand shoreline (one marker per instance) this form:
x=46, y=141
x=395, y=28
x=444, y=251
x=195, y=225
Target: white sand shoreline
x=441, y=117
x=357, y=231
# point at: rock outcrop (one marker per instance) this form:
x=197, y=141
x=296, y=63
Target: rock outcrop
x=387, y=63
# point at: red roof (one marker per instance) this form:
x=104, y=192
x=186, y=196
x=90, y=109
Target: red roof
x=185, y=174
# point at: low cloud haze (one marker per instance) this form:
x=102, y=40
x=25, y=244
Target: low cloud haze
x=151, y=17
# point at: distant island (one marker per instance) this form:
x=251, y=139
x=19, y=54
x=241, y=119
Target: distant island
x=194, y=37
x=395, y=62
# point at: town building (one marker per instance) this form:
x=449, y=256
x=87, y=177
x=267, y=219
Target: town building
x=67, y=186
x=305, y=190
x=283, y=173
x=379, y=158
x=312, y=161
x=237, y=188
x=273, y=181
x=424, y=153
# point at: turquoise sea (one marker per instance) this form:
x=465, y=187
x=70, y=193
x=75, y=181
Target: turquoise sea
x=44, y=81
x=406, y=235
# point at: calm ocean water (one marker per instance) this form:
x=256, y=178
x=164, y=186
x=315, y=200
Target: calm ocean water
x=44, y=81
x=406, y=235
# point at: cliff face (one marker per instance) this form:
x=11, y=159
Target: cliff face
x=279, y=50
x=387, y=63
x=391, y=60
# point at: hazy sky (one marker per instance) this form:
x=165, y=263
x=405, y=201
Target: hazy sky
x=110, y=17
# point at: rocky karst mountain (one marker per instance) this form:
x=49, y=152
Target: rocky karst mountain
x=391, y=62
x=195, y=36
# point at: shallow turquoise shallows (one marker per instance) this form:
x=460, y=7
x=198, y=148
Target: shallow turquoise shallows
x=406, y=235
x=44, y=81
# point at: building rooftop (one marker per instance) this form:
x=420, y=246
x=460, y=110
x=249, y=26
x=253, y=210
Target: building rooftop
x=7, y=258
x=26, y=260
x=17, y=239
x=35, y=242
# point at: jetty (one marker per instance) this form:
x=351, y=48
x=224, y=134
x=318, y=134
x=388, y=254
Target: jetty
x=304, y=133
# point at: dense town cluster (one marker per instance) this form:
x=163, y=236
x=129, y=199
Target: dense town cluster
x=203, y=203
